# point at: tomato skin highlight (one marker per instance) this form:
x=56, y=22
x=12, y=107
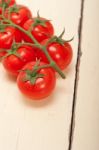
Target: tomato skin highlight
x=13, y=63
x=42, y=88
x=61, y=54
x=21, y=16
x=7, y=37
x=39, y=32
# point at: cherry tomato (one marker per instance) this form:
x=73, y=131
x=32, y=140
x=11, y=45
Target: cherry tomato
x=42, y=87
x=60, y=53
x=7, y=36
x=41, y=29
x=15, y=61
x=19, y=14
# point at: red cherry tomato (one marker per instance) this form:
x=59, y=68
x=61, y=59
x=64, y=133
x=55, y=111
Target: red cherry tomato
x=7, y=36
x=41, y=30
x=19, y=15
x=13, y=63
x=42, y=87
x=61, y=54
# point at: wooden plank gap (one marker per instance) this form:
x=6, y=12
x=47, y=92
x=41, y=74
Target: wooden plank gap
x=79, y=54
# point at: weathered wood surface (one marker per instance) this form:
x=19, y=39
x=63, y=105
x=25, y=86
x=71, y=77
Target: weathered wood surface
x=86, y=133
x=48, y=125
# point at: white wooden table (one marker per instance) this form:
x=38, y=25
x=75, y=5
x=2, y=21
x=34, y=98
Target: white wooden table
x=49, y=125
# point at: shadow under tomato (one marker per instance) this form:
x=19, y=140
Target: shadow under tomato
x=44, y=102
x=38, y=103
x=10, y=77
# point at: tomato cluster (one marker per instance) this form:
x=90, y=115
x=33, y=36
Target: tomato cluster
x=20, y=56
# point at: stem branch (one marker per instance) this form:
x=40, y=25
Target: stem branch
x=37, y=44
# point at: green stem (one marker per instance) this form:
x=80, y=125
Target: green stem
x=53, y=63
x=44, y=66
x=43, y=48
x=3, y=10
x=29, y=44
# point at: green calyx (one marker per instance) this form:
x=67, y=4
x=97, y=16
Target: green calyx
x=62, y=41
x=33, y=75
x=39, y=21
x=12, y=51
x=59, y=39
x=4, y=4
x=14, y=8
x=55, y=39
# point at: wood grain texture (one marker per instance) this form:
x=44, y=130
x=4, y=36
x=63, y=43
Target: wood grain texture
x=86, y=135
x=44, y=125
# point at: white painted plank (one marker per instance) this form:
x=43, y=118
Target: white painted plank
x=45, y=125
x=86, y=135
